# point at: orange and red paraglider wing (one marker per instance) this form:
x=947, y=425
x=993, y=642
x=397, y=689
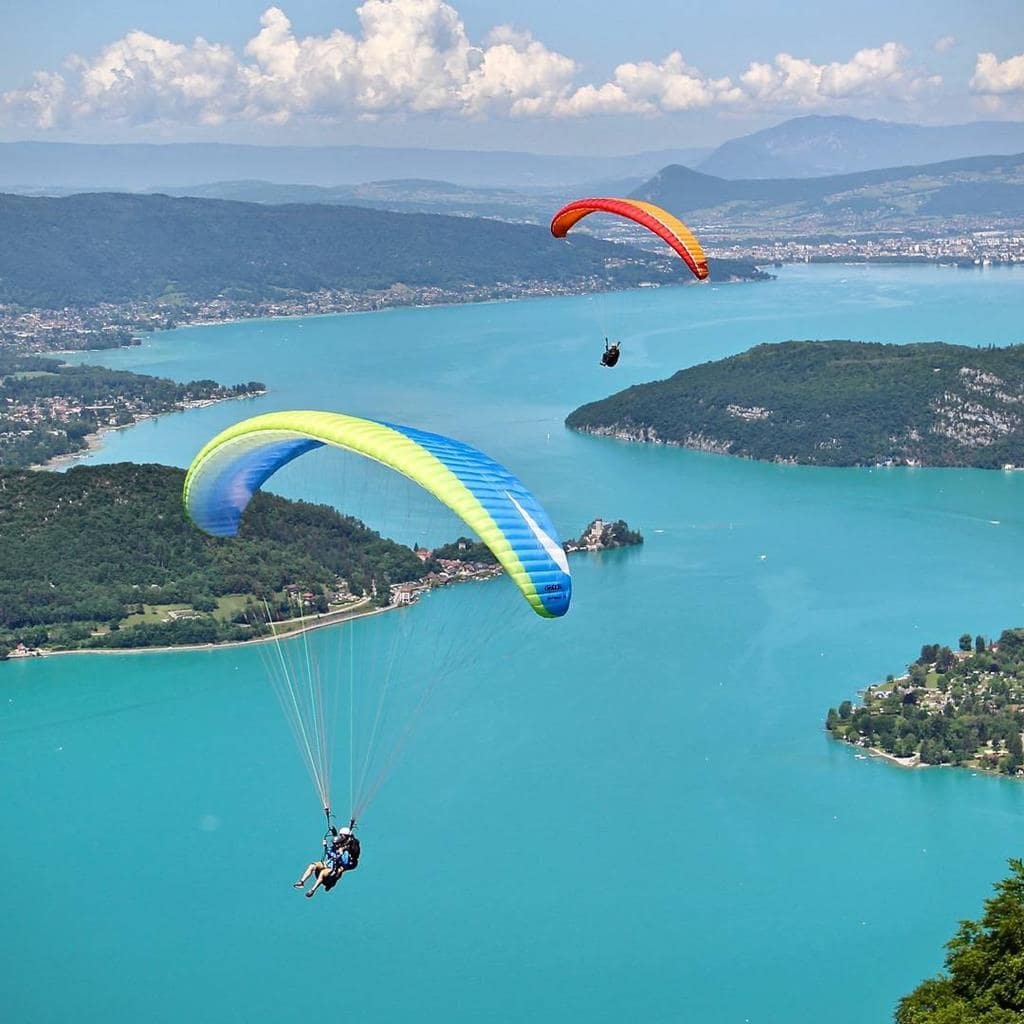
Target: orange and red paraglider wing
x=654, y=218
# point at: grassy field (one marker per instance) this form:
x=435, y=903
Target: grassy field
x=230, y=605
x=152, y=613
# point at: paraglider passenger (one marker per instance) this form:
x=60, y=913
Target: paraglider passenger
x=611, y=353
x=341, y=854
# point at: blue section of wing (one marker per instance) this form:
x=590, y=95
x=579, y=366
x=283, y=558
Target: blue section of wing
x=498, y=491
x=219, y=497
x=234, y=471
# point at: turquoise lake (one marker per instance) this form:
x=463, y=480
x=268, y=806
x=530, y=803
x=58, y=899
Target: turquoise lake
x=630, y=814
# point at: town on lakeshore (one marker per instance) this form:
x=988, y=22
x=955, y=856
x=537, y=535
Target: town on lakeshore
x=51, y=410
x=983, y=247
x=110, y=325
x=962, y=707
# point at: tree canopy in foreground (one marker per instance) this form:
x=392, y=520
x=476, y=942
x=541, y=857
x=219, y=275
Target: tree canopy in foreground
x=984, y=978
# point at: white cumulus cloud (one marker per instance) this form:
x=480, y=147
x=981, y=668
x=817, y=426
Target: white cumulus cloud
x=516, y=73
x=41, y=104
x=796, y=81
x=995, y=77
x=944, y=44
x=412, y=57
x=647, y=87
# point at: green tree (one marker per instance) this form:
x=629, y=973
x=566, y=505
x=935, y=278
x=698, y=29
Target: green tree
x=984, y=983
x=1015, y=747
x=965, y=641
x=979, y=644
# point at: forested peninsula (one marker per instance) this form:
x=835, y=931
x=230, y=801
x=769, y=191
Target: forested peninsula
x=833, y=403
x=74, y=269
x=960, y=707
x=103, y=557
x=49, y=409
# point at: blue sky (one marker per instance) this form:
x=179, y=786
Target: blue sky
x=599, y=77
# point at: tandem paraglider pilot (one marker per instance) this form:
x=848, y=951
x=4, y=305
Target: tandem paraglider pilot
x=341, y=854
x=610, y=356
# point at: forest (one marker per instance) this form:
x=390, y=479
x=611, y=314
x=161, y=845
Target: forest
x=834, y=403
x=82, y=250
x=101, y=556
x=960, y=707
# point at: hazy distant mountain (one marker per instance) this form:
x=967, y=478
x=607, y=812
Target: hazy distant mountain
x=59, y=166
x=415, y=195
x=405, y=195
x=807, y=147
x=989, y=188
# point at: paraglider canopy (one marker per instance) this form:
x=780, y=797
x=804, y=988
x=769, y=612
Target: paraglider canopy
x=647, y=215
x=224, y=476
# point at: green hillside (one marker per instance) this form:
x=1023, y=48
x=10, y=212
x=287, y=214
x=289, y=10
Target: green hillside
x=103, y=556
x=910, y=198
x=113, y=248
x=834, y=403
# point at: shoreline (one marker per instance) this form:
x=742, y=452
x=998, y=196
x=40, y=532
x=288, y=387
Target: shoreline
x=94, y=441
x=900, y=762
x=915, y=762
x=358, y=611
x=365, y=307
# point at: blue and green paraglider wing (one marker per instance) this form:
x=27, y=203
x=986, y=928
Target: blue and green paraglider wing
x=227, y=472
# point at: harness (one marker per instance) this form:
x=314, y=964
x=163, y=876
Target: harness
x=345, y=857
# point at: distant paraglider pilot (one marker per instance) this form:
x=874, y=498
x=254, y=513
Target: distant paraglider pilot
x=610, y=356
x=341, y=854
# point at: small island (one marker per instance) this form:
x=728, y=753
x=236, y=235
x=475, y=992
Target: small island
x=604, y=536
x=103, y=558
x=833, y=403
x=467, y=559
x=599, y=535
x=961, y=707
x=50, y=409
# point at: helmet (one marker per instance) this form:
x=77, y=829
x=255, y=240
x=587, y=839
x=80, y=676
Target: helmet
x=346, y=831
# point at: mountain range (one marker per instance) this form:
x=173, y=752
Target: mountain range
x=61, y=166
x=117, y=248
x=801, y=147
x=410, y=195
x=977, y=191
x=966, y=194
x=814, y=146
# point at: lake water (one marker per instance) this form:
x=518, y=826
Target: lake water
x=629, y=814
